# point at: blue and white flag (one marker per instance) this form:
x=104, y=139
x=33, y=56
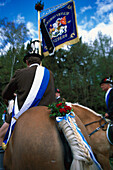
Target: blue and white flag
x=62, y=27
x=37, y=90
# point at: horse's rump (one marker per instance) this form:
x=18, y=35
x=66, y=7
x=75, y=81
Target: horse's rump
x=35, y=142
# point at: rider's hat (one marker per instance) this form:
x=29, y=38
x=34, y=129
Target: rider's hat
x=31, y=55
x=106, y=80
x=32, y=52
x=57, y=90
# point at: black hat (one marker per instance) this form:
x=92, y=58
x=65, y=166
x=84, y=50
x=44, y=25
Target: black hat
x=106, y=80
x=32, y=55
x=32, y=51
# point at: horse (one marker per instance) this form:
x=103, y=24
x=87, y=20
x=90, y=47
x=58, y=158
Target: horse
x=35, y=142
x=96, y=127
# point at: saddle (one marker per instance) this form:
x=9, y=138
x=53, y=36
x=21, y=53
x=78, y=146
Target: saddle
x=110, y=133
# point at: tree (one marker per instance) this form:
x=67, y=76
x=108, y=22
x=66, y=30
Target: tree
x=13, y=35
x=12, y=38
x=79, y=70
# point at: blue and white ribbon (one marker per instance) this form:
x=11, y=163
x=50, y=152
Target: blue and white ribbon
x=72, y=115
x=107, y=97
x=38, y=88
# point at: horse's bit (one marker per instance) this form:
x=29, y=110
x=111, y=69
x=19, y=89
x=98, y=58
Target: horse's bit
x=98, y=128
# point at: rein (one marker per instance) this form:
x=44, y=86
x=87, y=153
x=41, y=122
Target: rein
x=98, y=128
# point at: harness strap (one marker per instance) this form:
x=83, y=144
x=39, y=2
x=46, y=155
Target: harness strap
x=97, y=129
x=92, y=123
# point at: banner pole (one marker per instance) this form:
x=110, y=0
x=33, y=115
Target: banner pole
x=39, y=7
x=39, y=32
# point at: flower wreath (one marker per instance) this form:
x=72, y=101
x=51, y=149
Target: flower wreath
x=60, y=109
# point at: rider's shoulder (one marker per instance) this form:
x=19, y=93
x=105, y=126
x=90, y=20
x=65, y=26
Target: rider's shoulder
x=19, y=71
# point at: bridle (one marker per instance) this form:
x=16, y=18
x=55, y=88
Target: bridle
x=102, y=126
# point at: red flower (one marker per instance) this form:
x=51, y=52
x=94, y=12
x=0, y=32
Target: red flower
x=60, y=104
x=62, y=110
x=67, y=108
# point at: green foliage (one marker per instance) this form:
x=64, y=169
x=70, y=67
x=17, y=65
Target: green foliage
x=2, y=109
x=79, y=70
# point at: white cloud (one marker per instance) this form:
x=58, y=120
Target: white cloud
x=20, y=19
x=111, y=17
x=104, y=7
x=32, y=30
x=5, y=49
x=92, y=34
x=85, y=9
x=87, y=24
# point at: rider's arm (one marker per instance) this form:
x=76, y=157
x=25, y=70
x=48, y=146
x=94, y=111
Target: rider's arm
x=8, y=92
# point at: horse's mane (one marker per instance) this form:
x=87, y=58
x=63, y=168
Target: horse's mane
x=84, y=107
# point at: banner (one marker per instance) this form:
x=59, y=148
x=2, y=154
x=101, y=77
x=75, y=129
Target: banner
x=61, y=25
x=47, y=38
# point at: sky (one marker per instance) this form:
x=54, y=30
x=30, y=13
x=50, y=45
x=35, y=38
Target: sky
x=92, y=15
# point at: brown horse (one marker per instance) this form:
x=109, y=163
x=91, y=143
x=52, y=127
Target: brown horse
x=35, y=142
x=99, y=143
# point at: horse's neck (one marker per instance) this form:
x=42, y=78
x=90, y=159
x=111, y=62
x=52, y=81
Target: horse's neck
x=86, y=115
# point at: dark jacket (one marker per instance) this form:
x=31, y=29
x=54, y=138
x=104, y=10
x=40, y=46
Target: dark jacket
x=21, y=84
x=110, y=104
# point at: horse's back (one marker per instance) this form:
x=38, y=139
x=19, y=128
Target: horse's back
x=35, y=143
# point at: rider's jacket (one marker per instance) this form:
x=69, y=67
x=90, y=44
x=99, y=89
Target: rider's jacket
x=109, y=103
x=21, y=84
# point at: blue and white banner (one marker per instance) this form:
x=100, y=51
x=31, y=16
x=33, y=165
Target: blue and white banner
x=62, y=27
x=38, y=88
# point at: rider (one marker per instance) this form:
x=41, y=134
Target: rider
x=35, y=81
x=57, y=93
x=58, y=96
x=106, y=85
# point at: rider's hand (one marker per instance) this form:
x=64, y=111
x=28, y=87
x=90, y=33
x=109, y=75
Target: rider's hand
x=106, y=115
